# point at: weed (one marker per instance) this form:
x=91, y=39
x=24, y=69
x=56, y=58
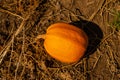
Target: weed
x=116, y=21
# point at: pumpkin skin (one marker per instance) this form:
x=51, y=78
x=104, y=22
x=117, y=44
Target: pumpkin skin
x=65, y=42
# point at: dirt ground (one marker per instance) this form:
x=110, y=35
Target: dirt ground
x=21, y=58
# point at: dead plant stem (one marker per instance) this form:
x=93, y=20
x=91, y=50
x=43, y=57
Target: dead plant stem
x=6, y=11
x=99, y=7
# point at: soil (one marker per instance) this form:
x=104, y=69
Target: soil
x=21, y=21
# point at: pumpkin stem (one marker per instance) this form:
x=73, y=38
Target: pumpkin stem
x=40, y=36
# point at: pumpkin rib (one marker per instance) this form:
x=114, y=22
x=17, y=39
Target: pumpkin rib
x=68, y=38
x=64, y=26
x=67, y=27
x=73, y=39
x=61, y=57
x=73, y=35
x=66, y=59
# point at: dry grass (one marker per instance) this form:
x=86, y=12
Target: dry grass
x=23, y=58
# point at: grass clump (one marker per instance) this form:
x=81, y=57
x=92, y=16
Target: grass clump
x=116, y=22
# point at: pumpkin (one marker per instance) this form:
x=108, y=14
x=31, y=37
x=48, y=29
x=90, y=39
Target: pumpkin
x=65, y=42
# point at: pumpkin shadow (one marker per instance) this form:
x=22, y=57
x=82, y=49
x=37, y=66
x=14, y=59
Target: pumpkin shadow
x=93, y=32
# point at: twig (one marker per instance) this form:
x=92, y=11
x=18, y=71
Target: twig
x=96, y=62
x=106, y=3
x=12, y=44
x=5, y=50
x=107, y=36
x=23, y=46
x=99, y=7
x=6, y=11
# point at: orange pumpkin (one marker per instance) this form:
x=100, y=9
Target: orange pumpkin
x=65, y=42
